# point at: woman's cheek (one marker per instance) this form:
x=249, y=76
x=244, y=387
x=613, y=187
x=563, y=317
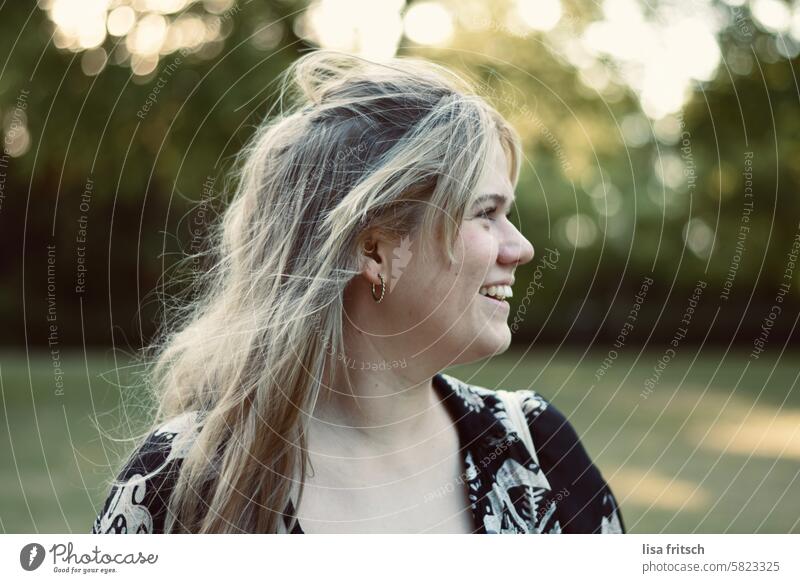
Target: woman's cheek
x=480, y=244
x=473, y=236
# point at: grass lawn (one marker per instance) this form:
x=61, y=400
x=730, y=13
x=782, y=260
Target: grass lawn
x=714, y=446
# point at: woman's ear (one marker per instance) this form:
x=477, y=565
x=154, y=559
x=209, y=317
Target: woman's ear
x=374, y=259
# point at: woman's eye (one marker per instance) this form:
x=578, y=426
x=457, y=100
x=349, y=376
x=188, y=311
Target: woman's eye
x=484, y=213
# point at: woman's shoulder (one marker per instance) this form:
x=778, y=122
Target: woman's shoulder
x=586, y=502
x=137, y=501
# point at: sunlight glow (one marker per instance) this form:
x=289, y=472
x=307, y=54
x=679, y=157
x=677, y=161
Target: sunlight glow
x=770, y=433
x=16, y=137
x=428, y=23
x=364, y=27
x=660, y=58
x=83, y=26
x=148, y=28
x=579, y=230
x=539, y=14
x=94, y=61
x=121, y=20
x=648, y=487
x=698, y=237
x=795, y=28
x=148, y=36
x=662, y=51
x=771, y=15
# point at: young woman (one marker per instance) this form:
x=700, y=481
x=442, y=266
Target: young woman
x=367, y=249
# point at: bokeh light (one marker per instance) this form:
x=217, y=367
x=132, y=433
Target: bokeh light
x=145, y=29
x=428, y=23
x=539, y=14
x=370, y=29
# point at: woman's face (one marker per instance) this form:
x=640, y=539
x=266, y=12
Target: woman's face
x=433, y=310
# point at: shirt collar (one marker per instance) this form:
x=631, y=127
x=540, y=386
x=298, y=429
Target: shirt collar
x=505, y=486
x=477, y=426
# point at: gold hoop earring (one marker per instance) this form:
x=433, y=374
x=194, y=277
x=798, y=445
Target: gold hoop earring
x=383, y=290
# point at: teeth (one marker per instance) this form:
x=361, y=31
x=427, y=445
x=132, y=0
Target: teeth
x=498, y=291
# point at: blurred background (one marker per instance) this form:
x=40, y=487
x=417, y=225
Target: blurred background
x=660, y=191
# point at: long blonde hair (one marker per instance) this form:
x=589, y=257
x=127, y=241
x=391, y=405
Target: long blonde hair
x=357, y=148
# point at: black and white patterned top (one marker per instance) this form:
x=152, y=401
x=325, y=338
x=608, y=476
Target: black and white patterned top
x=508, y=491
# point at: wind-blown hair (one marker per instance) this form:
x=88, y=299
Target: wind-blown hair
x=358, y=148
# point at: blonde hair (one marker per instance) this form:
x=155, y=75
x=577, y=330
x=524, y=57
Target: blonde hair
x=358, y=148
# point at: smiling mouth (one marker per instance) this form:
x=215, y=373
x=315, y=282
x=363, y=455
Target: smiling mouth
x=495, y=301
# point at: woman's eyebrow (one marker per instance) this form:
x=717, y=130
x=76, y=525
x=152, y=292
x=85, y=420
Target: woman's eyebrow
x=494, y=197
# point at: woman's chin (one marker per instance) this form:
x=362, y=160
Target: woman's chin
x=497, y=339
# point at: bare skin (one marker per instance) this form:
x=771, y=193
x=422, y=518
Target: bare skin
x=383, y=448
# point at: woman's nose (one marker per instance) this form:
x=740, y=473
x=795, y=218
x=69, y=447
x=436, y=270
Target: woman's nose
x=517, y=250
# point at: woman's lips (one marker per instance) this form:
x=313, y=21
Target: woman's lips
x=498, y=303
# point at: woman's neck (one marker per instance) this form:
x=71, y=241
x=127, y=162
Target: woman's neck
x=386, y=409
